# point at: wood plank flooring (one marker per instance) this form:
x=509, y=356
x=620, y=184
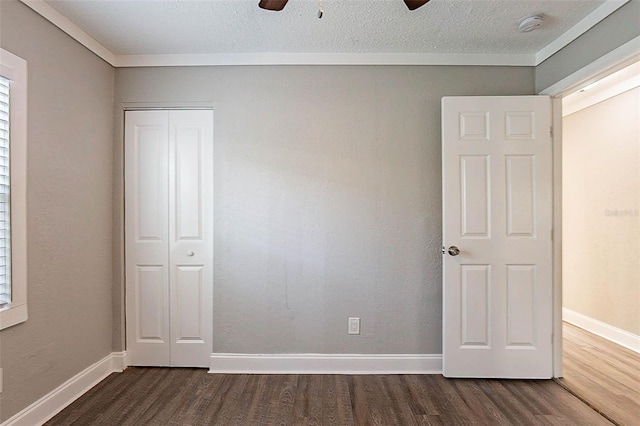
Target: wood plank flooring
x=182, y=396
x=602, y=373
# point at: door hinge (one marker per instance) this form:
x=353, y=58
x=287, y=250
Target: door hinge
x=551, y=131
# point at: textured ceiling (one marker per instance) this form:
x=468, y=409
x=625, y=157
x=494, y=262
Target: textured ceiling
x=151, y=27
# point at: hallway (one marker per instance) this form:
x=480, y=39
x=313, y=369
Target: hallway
x=603, y=374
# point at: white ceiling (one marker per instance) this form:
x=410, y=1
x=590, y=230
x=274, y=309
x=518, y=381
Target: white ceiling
x=190, y=30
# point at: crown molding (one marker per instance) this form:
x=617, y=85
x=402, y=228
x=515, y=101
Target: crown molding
x=272, y=58
x=60, y=21
x=578, y=29
x=609, y=63
x=323, y=59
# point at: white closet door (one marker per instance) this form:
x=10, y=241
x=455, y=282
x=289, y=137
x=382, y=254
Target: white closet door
x=147, y=237
x=191, y=235
x=169, y=237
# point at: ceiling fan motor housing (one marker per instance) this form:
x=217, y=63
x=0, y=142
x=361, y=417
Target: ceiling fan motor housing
x=277, y=5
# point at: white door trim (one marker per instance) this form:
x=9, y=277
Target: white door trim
x=613, y=61
x=119, y=228
x=556, y=182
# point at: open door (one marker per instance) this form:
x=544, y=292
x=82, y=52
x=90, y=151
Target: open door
x=497, y=237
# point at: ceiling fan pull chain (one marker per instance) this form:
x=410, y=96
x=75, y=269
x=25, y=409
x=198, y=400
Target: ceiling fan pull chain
x=320, y=11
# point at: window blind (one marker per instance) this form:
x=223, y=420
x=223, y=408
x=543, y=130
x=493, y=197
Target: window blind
x=5, y=215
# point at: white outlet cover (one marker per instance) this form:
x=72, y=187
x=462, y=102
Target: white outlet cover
x=354, y=325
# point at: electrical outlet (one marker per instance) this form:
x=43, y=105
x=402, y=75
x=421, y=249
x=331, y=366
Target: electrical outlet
x=354, y=325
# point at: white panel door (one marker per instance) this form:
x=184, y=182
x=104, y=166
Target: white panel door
x=191, y=236
x=147, y=237
x=497, y=223
x=169, y=237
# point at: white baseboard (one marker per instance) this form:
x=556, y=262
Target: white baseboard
x=55, y=401
x=120, y=361
x=325, y=364
x=609, y=332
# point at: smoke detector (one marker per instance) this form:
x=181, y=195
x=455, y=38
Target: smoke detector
x=530, y=23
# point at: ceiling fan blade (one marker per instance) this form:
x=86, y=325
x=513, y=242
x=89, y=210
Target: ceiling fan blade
x=272, y=4
x=414, y=4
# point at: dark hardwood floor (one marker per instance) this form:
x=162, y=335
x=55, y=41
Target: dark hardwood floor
x=181, y=396
x=603, y=374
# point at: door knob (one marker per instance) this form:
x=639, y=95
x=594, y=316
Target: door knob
x=191, y=253
x=454, y=251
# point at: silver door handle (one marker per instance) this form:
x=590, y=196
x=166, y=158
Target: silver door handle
x=191, y=253
x=454, y=251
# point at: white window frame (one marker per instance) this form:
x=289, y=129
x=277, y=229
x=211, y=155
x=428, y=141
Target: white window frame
x=14, y=68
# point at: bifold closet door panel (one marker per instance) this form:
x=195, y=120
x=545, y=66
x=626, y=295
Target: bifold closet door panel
x=191, y=236
x=147, y=237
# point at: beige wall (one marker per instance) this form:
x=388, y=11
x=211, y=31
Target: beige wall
x=70, y=163
x=601, y=205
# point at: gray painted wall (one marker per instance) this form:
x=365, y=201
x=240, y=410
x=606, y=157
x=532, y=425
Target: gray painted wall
x=70, y=139
x=327, y=199
x=617, y=29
